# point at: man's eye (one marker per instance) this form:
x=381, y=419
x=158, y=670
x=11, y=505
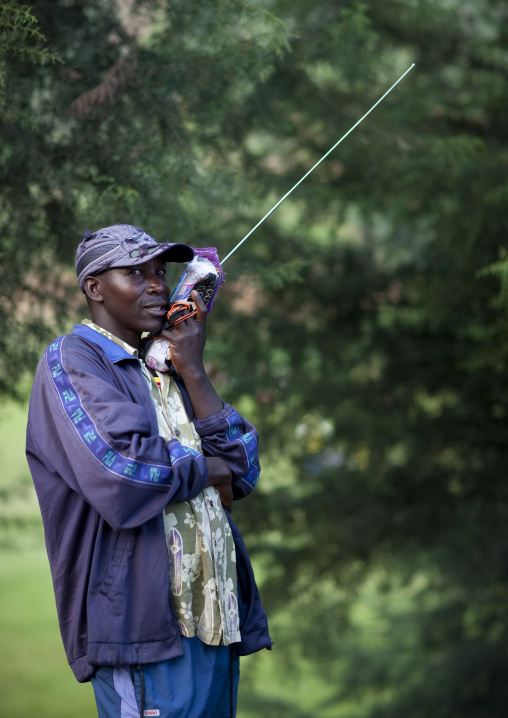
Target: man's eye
x=137, y=272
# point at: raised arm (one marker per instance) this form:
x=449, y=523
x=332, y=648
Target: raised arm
x=187, y=340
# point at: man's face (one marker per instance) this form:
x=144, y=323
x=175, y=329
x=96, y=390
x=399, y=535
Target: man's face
x=134, y=300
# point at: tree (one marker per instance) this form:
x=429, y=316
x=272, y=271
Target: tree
x=388, y=362
x=361, y=326
x=22, y=46
x=129, y=127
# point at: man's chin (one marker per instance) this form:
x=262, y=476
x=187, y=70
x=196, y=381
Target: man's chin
x=155, y=327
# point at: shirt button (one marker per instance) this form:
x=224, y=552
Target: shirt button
x=177, y=432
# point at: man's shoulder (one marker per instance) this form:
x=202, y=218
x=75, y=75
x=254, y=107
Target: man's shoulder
x=67, y=355
x=64, y=351
x=84, y=341
x=74, y=341
x=82, y=357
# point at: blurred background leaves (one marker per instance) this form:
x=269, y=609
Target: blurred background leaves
x=362, y=328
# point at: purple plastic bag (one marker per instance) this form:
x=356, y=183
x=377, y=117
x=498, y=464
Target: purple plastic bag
x=205, y=261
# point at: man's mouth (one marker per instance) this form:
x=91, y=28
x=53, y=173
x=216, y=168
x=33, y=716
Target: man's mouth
x=158, y=310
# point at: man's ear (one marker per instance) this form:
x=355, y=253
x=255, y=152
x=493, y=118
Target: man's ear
x=93, y=290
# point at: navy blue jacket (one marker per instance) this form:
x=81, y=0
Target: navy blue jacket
x=103, y=476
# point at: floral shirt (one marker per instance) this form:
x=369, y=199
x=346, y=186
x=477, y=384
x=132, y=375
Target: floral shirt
x=202, y=557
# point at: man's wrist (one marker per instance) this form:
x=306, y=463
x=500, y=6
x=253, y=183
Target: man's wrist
x=193, y=374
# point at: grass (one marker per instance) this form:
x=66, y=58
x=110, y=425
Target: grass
x=12, y=443
x=35, y=677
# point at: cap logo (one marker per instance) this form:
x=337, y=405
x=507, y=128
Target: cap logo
x=137, y=237
x=143, y=251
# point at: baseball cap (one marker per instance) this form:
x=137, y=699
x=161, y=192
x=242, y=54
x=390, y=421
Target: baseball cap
x=123, y=245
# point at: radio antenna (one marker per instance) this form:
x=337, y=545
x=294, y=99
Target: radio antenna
x=317, y=163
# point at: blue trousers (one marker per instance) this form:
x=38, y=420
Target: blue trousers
x=203, y=683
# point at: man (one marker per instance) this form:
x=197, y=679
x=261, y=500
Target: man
x=135, y=472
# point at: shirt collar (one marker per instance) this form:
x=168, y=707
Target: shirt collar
x=127, y=347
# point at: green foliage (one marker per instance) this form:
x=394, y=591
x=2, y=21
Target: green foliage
x=21, y=39
x=395, y=341
x=129, y=128
x=500, y=270
x=361, y=327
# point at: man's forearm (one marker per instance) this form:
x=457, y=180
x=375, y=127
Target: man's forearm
x=204, y=399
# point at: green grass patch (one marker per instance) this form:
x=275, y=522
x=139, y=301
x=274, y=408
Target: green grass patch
x=35, y=677
x=13, y=463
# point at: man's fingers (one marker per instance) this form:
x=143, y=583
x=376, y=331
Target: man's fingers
x=226, y=496
x=200, y=305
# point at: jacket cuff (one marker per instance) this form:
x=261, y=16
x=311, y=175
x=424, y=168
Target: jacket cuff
x=190, y=468
x=210, y=423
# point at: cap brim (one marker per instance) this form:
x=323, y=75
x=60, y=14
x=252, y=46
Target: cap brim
x=177, y=253
x=166, y=251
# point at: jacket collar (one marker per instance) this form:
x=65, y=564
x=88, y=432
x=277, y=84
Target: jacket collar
x=113, y=351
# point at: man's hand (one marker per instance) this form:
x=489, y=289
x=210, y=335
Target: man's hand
x=187, y=340
x=219, y=475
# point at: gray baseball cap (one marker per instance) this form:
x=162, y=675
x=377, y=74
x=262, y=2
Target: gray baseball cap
x=123, y=245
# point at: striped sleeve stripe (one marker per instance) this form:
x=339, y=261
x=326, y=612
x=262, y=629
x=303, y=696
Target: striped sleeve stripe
x=85, y=428
x=249, y=445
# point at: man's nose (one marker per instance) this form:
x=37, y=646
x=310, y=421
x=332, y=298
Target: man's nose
x=158, y=284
